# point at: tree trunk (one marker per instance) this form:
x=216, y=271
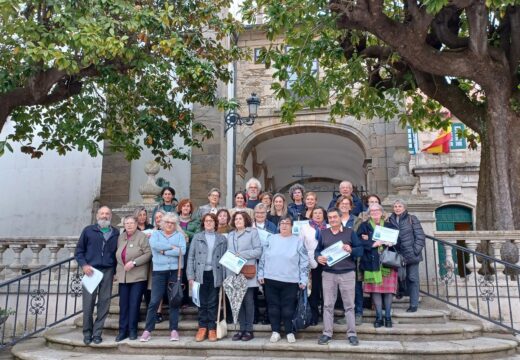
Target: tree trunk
x=497, y=201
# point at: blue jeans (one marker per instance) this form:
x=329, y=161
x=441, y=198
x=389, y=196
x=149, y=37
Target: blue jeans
x=160, y=280
x=247, y=311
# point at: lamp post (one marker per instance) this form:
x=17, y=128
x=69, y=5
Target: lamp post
x=232, y=119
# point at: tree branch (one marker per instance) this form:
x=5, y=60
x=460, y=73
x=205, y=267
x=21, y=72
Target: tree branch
x=513, y=14
x=451, y=97
x=478, y=24
x=446, y=28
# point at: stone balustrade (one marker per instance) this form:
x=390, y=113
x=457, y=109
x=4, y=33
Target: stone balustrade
x=23, y=254
x=492, y=240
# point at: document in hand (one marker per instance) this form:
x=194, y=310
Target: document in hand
x=335, y=253
x=195, y=291
x=91, y=282
x=385, y=234
x=232, y=262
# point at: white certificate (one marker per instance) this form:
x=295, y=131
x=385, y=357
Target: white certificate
x=195, y=291
x=386, y=235
x=335, y=253
x=297, y=225
x=91, y=282
x=232, y=262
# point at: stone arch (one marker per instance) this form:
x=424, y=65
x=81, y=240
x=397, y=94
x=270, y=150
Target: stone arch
x=353, y=130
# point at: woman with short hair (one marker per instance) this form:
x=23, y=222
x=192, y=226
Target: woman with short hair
x=344, y=204
x=266, y=198
x=245, y=242
x=224, y=219
x=378, y=280
x=168, y=202
x=283, y=269
x=410, y=244
x=167, y=245
x=133, y=256
x=296, y=209
x=207, y=247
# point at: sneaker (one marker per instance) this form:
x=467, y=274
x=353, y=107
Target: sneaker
x=359, y=319
x=353, y=340
x=146, y=336
x=275, y=337
x=290, y=338
x=174, y=335
x=324, y=340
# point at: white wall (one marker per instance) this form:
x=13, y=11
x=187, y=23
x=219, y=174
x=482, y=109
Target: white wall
x=179, y=176
x=52, y=195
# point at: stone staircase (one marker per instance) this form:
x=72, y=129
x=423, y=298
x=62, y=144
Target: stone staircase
x=430, y=333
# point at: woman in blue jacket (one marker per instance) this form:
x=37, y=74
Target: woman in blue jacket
x=167, y=245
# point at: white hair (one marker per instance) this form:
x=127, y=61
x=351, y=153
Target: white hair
x=400, y=201
x=256, y=182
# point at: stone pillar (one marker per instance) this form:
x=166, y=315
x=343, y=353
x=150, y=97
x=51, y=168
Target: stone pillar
x=208, y=165
x=421, y=206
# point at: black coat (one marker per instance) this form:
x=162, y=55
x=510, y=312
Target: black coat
x=370, y=260
x=411, y=237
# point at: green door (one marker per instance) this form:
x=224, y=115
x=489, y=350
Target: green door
x=453, y=218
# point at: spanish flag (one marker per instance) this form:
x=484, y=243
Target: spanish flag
x=441, y=144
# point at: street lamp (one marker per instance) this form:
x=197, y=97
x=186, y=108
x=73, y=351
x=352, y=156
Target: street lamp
x=233, y=118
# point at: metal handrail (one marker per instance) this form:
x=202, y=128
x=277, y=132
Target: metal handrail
x=471, y=291
x=40, y=299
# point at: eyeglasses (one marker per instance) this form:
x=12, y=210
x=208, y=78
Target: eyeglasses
x=260, y=212
x=285, y=223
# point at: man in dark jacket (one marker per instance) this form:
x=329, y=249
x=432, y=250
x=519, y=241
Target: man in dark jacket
x=410, y=245
x=96, y=249
x=345, y=189
x=342, y=274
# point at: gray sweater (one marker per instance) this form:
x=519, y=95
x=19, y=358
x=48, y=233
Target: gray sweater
x=284, y=259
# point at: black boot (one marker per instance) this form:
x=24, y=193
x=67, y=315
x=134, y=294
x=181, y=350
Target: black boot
x=388, y=322
x=379, y=321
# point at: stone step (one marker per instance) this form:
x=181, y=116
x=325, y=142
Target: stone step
x=406, y=332
x=67, y=338
x=399, y=315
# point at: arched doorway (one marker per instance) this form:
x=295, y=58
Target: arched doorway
x=454, y=218
x=318, y=156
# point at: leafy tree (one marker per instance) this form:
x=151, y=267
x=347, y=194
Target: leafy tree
x=406, y=59
x=77, y=72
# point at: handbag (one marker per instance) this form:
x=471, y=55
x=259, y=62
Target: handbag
x=221, y=324
x=302, y=317
x=249, y=271
x=391, y=259
x=175, y=290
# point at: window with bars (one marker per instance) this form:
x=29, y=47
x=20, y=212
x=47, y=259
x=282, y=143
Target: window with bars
x=457, y=140
x=412, y=140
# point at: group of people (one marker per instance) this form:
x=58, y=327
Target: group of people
x=146, y=258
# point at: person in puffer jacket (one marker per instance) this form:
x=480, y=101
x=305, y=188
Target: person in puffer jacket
x=410, y=245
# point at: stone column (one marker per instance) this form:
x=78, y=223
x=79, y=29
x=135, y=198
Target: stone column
x=421, y=206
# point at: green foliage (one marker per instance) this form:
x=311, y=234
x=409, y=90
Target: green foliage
x=138, y=64
x=350, y=82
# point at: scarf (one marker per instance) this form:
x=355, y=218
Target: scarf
x=318, y=228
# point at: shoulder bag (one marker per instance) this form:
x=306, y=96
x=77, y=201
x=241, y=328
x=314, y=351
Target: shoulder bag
x=175, y=291
x=249, y=271
x=221, y=324
x=391, y=259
